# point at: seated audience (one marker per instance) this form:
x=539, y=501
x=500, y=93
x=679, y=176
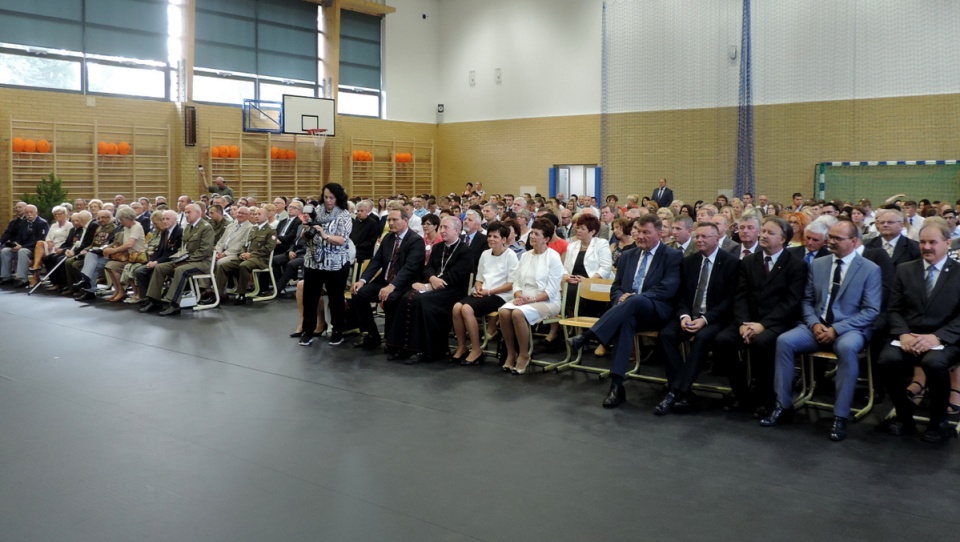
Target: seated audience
x=18, y=249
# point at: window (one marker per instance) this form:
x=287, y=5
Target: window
x=274, y=92
x=130, y=81
x=360, y=65
x=32, y=71
x=222, y=90
x=259, y=49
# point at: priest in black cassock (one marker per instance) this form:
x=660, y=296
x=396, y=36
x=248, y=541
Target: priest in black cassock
x=424, y=316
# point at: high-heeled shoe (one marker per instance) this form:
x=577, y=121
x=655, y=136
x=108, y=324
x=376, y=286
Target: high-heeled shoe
x=296, y=334
x=458, y=359
x=322, y=330
x=478, y=361
x=506, y=368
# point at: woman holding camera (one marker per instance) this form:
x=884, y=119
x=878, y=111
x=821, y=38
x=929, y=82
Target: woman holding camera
x=326, y=264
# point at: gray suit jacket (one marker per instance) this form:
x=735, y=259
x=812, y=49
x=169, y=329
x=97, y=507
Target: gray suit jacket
x=233, y=241
x=858, y=300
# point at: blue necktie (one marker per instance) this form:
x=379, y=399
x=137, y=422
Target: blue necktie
x=638, y=280
x=931, y=279
x=809, y=257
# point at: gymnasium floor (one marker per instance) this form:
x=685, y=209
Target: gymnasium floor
x=215, y=426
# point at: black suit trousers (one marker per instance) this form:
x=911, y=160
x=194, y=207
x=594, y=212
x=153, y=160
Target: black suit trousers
x=761, y=368
x=682, y=374
x=896, y=369
x=368, y=294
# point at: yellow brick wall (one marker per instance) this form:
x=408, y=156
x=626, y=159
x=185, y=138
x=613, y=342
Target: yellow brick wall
x=695, y=149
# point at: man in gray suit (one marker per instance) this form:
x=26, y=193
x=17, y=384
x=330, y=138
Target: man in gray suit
x=840, y=303
x=234, y=238
x=726, y=243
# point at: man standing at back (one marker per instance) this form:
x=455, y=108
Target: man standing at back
x=841, y=301
x=663, y=195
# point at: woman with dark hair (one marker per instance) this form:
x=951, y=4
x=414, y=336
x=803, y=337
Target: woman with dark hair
x=587, y=256
x=622, y=239
x=491, y=290
x=512, y=240
x=536, y=295
x=326, y=264
x=689, y=211
x=431, y=234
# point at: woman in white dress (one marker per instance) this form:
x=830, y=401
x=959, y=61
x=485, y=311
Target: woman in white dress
x=536, y=295
x=491, y=290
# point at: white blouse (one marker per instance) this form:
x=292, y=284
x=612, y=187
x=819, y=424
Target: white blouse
x=597, y=260
x=57, y=233
x=495, y=271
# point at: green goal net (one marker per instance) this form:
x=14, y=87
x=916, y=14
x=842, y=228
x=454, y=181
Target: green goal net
x=936, y=180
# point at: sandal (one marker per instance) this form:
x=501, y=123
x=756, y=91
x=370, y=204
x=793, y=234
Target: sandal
x=916, y=396
x=953, y=409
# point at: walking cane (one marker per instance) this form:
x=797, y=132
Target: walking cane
x=39, y=282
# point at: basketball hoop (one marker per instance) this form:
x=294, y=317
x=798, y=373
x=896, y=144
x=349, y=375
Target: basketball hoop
x=319, y=136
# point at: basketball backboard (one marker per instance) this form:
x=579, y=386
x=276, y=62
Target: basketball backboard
x=301, y=114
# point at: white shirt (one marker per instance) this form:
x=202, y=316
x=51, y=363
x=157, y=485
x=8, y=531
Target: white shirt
x=753, y=249
x=57, y=233
x=495, y=271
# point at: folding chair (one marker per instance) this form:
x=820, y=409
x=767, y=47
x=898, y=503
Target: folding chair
x=809, y=383
x=548, y=365
x=195, y=288
x=591, y=290
x=268, y=269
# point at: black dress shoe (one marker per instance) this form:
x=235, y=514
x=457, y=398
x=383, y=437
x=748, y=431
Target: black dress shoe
x=22, y=284
x=85, y=296
x=616, y=396
x=240, y=300
x=779, y=416
x=367, y=343
x=838, y=431
x=897, y=428
x=665, y=405
x=577, y=342
x=172, y=310
x=150, y=306
x=686, y=404
x=730, y=403
x=761, y=412
x=937, y=433
x=399, y=355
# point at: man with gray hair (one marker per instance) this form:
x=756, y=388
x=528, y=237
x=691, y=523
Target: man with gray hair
x=193, y=257
x=475, y=239
x=900, y=249
x=814, y=241
x=366, y=231
x=30, y=230
x=749, y=229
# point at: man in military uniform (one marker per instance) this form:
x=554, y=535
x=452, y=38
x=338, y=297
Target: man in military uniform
x=106, y=229
x=194, y=257
x=219, y=221
x=261, y=241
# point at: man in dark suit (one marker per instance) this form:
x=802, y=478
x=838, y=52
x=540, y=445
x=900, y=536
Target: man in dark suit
x=898, y=247
x=13, y=227
x=30, y=229
x=143, y=217
x=925, y=320
x=642, y=296
x=475, y=239
x=704, y=308
x=814, y=242
x=389, y=275
x=170, y=238
x=663, y=195
x=749, y=230
x=366, y=231
x=682, y=231
x=288, y=231
x=840, y=304
x=767, y=303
